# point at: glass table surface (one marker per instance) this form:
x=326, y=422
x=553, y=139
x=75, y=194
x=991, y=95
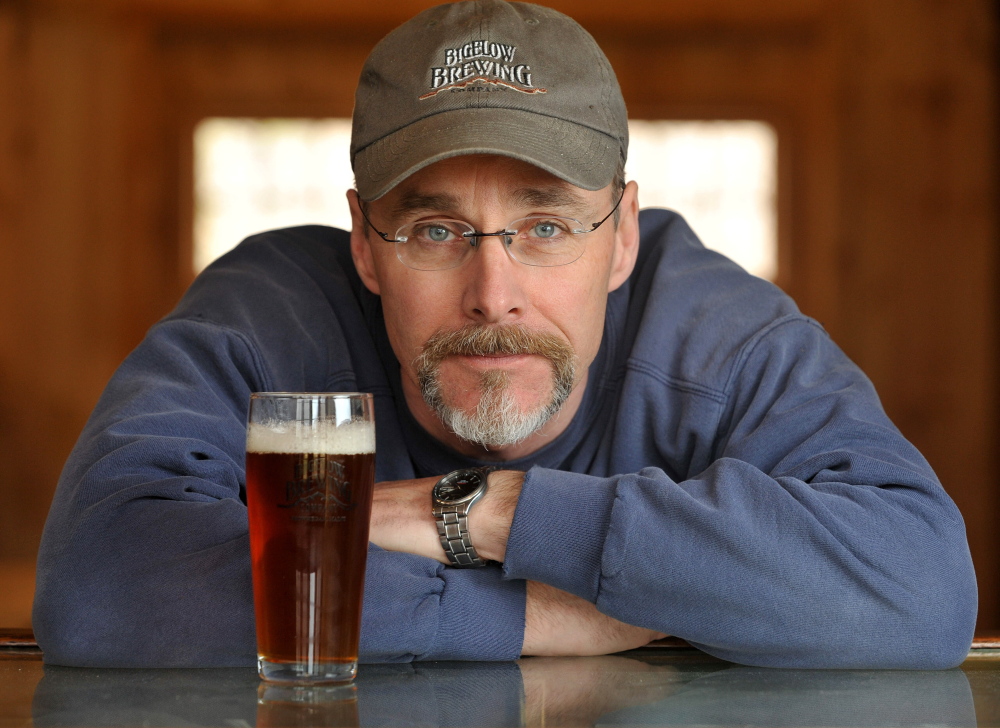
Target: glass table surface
x=649, y=687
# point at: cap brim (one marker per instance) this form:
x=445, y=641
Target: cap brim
x=580, y=155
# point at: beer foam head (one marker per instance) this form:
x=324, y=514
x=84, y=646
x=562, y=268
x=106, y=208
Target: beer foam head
x=312, y=438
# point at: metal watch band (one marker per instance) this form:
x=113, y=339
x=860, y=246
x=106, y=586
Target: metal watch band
x=453, y=529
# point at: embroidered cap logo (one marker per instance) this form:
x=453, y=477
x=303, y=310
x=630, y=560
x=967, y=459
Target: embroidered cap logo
x=481, y=64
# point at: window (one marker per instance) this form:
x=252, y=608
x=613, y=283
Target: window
x=259, y=174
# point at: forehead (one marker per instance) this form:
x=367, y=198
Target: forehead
x=473, y=180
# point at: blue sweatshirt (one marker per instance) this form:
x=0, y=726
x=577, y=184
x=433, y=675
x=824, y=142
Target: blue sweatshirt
x=729, y=478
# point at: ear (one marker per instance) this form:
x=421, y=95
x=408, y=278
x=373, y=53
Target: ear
x=361, y=249
x=626, y=238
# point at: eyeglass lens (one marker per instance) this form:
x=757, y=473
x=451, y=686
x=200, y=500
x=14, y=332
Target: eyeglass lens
x=442, y=244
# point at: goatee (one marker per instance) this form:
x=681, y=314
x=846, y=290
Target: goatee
x=497, y=421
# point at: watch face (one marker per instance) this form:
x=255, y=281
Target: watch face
x=458, y=486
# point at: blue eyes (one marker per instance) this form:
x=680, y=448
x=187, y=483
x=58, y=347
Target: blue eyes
x=438, y=234
x=545, y=230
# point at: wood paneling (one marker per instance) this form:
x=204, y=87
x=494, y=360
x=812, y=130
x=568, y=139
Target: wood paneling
x=634, y=15
x=918, y=251
x=87, y=266
x=17, y=576
x=885, y=111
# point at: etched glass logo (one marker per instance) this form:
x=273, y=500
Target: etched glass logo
x=319, y=490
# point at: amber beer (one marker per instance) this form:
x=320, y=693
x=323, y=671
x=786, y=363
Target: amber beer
x=309, y=480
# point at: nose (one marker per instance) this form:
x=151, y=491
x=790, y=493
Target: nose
x=493, y=290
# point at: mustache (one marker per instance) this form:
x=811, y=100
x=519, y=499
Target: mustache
x=492, y=340
x=498, y=420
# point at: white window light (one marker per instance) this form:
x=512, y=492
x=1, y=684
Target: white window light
x=259, y=174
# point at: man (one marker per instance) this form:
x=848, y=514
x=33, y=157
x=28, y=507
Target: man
x=677, y=450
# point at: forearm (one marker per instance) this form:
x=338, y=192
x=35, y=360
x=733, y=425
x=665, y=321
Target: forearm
x=419, y=609
x=151, y=583
x=558, y=623
x=402, y=519
x=752, y=568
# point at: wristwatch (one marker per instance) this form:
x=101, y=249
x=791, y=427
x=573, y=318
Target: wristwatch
x=451, y=500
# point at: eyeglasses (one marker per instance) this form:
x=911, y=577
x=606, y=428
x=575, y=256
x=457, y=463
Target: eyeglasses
x=541, y=240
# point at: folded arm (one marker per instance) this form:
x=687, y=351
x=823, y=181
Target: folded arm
x=145, y=560
x=817, y=537
x=555, y=622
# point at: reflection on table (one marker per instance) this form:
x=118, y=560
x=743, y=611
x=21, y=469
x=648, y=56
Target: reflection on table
x=641, y=688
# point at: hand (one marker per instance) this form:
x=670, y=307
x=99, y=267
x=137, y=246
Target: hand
x=402, y=521
x=559, y=623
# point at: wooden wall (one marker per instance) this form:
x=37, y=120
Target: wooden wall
x=887, y=123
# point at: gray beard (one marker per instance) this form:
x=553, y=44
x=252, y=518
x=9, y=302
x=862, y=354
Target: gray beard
x=497, y=420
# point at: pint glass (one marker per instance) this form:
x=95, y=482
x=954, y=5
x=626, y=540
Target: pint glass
x=310, y=475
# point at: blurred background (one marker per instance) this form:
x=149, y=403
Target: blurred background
x=846, y=149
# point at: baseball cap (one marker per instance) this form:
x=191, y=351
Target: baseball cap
x=488, y=77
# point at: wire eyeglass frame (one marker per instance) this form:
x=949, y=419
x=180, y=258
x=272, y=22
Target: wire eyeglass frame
x=474, y=236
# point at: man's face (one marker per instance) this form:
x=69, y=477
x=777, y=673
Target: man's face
x=491, y=349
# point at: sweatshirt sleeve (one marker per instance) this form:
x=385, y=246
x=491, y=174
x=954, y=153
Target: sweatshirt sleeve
x=817, y=537
x=145, y=556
